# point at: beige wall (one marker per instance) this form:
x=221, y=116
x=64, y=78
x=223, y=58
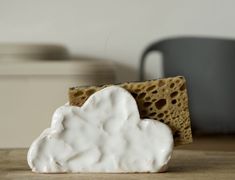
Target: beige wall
x=105, y=29
x=114, y=30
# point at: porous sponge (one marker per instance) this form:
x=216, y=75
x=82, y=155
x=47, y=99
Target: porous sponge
x=165, y=100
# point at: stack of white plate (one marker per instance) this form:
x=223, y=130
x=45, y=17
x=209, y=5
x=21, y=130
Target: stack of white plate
x=34, y=82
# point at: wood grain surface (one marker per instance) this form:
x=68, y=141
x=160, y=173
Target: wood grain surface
x=185, y=164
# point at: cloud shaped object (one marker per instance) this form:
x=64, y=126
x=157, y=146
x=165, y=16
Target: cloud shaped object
x=106, y=134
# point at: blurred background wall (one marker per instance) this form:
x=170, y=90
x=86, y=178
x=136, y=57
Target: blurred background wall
x=117, y=31
x=114, y=30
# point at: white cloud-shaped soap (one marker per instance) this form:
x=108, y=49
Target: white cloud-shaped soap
x=105, y=135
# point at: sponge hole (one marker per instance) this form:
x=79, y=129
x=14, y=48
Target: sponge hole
x=150, y=88
x=174, y=94
x=160, y=115
x=147, y=104
x=161, y=83
x=174, y=101
x=183, y=87
x=160, y=103
x=142, y=95
x=172, y=85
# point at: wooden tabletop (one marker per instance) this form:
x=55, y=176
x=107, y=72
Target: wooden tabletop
x=188, y=163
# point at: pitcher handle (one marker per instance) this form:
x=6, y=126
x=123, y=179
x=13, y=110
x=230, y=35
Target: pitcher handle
x=152, y=47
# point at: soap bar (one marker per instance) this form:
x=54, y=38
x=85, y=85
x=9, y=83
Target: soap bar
x=165, y=100
x=104, y=135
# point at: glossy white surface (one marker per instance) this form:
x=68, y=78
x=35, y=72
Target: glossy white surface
x=105, y=135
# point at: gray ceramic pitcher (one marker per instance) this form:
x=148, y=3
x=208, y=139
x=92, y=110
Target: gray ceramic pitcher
x=208, y=65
